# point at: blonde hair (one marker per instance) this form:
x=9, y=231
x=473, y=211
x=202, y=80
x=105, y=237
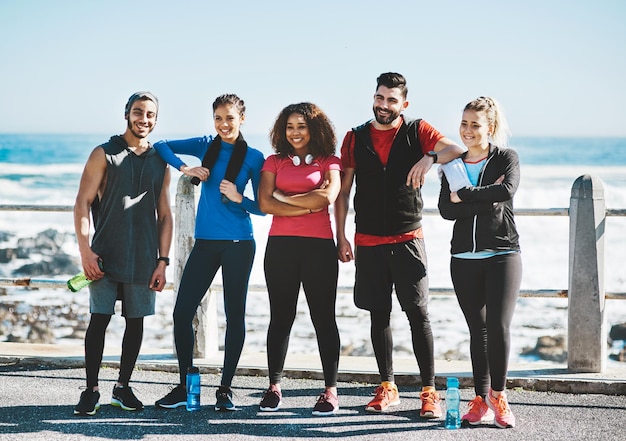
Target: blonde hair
x=495, y=118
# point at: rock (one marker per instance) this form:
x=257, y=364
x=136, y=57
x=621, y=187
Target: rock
x=59, y=264
x=44, y=254
x=551, y=348
x=47, y=242
x=455, y=354
x=76, y=334
x=7, y=254
x=5, y=236
x=15, y=339
x=618, y=332
x=353, y=350
x=40, y=334
x=25, y=323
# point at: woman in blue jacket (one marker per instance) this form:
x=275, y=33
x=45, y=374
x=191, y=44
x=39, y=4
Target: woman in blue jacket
x=486, y=266
x=223, y=236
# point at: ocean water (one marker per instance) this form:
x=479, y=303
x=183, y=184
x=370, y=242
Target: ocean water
x=46, y=168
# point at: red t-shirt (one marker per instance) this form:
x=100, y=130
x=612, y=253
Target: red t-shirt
x=291, y=179
x=382, y=141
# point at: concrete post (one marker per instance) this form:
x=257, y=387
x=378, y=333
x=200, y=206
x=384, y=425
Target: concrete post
x=205, y=321
x=587, y=341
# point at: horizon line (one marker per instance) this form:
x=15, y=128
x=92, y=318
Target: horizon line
x=186, y=134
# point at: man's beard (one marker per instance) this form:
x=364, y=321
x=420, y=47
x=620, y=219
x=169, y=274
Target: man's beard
x=385, y=121
x=137, y=135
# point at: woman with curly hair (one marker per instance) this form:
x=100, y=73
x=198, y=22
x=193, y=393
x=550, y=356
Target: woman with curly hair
x=298, y=183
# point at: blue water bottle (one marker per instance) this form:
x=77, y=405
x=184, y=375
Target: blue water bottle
x=453, y=402
x=193, y=389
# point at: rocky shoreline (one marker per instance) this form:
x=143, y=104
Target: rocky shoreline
x=46, y=316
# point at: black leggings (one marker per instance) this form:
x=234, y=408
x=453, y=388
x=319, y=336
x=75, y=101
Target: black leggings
x=422, y=338
x=94, y=347
x=207, y=256
x=312, y=262
x=487, y=290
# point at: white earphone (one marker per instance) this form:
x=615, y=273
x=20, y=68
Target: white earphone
x=308, y=159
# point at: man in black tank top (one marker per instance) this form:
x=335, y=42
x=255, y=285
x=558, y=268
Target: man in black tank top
x=125, y=185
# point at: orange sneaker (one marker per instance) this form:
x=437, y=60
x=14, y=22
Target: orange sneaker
x=386, y=395
x=430, y=404
x=478, y=412
x=503, y=416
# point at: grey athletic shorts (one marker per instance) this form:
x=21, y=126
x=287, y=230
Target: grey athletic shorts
x=379, y=268
x=137, y=299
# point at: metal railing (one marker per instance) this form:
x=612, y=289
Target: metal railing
x=585, y=293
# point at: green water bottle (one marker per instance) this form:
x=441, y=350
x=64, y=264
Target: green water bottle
x=80, y=280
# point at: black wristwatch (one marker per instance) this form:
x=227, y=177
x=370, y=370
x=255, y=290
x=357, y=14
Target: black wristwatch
x=433, y=154
x=164, y=259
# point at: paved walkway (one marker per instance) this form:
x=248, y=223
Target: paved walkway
x=39, y=386
x=539, y=376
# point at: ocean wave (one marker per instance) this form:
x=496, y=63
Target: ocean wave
x=53, y=170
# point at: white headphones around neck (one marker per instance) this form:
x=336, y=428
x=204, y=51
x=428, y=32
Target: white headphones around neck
x=308, y=159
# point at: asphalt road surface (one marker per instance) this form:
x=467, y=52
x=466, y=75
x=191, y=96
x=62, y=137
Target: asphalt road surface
x=37, y=402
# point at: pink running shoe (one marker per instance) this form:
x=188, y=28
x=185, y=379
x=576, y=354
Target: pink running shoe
x=431, y=406
x=503, y=416
x=327, y=404
x=478, y=412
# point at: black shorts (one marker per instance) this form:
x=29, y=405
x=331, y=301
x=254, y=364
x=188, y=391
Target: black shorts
x=379, y=268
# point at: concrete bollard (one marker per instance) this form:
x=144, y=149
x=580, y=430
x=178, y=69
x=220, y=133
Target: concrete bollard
x=587, y=343
x=205, y=321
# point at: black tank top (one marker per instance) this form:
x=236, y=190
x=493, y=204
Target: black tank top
x=126, y=234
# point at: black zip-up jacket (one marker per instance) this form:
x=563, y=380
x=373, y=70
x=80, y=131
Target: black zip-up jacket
x=484, y=219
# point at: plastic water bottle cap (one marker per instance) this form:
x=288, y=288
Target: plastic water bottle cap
x=452, y=382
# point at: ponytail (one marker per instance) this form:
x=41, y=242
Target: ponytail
x=495, y=118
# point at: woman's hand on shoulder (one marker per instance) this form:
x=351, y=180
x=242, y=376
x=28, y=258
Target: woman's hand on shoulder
x=199, y=172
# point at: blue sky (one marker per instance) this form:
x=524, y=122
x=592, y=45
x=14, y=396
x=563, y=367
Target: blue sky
x=558, y=68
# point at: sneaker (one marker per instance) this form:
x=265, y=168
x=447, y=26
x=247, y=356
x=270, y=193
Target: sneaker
x=430, y=404
x=176, y=398
x=327, y=404
x=386, y=395
x=88, y=403
x=224, y=395
x=503, y=416
x=272, y=399
x=478, y=412
x=124, y=397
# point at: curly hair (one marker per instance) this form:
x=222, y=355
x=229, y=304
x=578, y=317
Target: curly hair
x=323, y=140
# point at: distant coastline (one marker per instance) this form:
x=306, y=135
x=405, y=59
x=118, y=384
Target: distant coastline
x=533, y=150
